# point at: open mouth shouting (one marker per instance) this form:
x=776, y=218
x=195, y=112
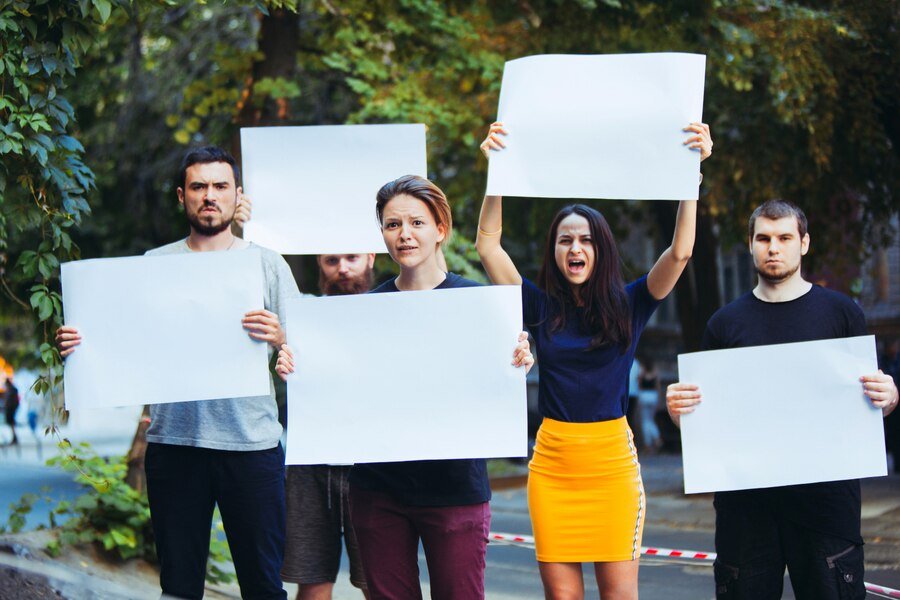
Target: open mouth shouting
x=576, y=266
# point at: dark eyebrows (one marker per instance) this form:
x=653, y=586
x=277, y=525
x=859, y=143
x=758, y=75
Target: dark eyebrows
x=195, y=184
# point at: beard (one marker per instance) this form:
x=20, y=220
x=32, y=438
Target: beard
x=208, y=229
x=346, y=286
x=778, y=276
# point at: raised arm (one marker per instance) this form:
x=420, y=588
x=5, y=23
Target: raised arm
x=496, y=261
x=668, y=268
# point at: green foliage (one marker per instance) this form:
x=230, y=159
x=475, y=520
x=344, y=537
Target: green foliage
x=18, y=511
x=43, y=178
x=219, y=554
x=110, y=513
x=801, y=96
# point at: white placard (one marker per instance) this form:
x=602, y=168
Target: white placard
x=406, y=376
x=313, y=188
x=607, y=126
x=161, y=329
x=781, y=415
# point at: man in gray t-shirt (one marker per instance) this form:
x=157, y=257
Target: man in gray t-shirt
x=223, y=452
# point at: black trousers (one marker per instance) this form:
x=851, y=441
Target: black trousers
x=755, y=542
x=185, y=483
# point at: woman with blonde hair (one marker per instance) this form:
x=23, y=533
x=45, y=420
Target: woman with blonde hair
x=442, y=503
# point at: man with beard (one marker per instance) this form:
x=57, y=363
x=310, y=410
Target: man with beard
x=812, y=529
x=223, y=452
x=318, y=508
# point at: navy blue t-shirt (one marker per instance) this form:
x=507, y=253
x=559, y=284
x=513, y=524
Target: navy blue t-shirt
x=832, y=507
x=427, y=482
x=578, y=385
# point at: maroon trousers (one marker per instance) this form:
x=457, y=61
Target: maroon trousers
x=388, y=532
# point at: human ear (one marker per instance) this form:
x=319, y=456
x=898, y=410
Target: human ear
x=804, y=244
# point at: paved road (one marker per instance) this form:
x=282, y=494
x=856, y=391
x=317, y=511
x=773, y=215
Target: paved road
x=674, y=521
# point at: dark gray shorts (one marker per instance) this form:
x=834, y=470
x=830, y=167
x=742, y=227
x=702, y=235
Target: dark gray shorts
x=318, y=516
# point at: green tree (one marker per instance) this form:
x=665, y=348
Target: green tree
x=43, y=177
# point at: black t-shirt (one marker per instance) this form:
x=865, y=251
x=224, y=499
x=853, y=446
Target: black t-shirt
x=427, y=482
x=831, y=507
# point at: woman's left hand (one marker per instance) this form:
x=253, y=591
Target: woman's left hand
x=522, y=356
x=702, y=140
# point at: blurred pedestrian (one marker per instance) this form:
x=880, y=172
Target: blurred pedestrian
x=648, y=401
x=11, y=402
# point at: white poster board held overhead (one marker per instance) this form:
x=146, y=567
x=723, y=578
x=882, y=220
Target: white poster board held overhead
x=313, y=188
x=161, y=329
x=406, y=376
x=607, y=126
x=781, y=415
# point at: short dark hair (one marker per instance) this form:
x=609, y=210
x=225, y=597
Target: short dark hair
x=778, y=209
x=206, y=155
x=421, y=189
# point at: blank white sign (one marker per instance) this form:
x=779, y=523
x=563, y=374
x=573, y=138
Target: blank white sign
x=406, y=376
x=159, y=329
x=781, y=415
x=607, y=126
x=313, y=188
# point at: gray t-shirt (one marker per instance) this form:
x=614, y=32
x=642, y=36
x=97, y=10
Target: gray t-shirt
x=228, y=423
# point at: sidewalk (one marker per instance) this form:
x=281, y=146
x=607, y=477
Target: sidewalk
x=23, y=565
x=668, y=505
x=109, y=431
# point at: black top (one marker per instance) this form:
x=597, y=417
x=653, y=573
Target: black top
x=579, y=384
x=427, y=482
x=831, y=507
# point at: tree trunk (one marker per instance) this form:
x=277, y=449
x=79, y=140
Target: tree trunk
x=136, y=477
x=697, y=292
x=278, y=42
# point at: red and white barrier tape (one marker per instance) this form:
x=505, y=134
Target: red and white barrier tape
x=880, y=589
x=528, y=541
x=509, y=538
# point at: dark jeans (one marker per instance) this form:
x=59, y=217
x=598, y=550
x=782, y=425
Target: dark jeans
x=754, y=544
x=454, y=539
x=185, y=483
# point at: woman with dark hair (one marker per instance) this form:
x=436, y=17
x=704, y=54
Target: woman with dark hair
x=443, y=503
x=585, y=493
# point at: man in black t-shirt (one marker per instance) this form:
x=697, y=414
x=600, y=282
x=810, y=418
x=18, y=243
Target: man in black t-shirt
x=813, y=529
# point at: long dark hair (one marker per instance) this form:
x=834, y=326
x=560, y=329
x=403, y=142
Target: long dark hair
x=607, y=316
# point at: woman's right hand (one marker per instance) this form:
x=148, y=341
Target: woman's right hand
x=493, y=141
x=681, y=399
x=284, y=366
x=66, y=340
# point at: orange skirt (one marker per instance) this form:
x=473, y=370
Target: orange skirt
x=585, y=493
